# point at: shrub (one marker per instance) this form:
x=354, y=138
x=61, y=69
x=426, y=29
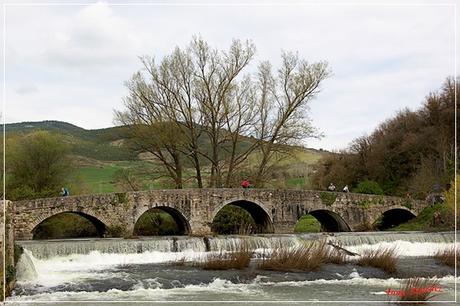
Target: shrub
x=18, y=250
x=368, y=187
x=382, y=258
x=65, y=225
x=10, y=273
x=328, y=198
x=418, y=289
x=334, y=256
x=447, y=256
x=156, y=222
x=307, y=224
x=303, y=258
x=233, y=220
x=238, y=259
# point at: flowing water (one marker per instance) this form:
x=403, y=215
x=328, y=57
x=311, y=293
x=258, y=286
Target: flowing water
x=88, y=270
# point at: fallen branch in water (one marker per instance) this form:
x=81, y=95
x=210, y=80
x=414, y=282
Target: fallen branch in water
x=342, y=249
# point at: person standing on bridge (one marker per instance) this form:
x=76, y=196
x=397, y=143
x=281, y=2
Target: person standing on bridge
x=245, y=184
x=331, y=187
x=64, y=192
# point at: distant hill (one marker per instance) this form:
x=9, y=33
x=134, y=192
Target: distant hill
x=100, y=153
x=99, y=144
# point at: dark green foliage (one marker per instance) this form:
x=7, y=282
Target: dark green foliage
x=10, y=273
x=424, y=220
x=38, y=166
x=65, y=225
x=18, y=250
x=408, y=153
x=328, y=198
x=368, y=187
x=233, y=220
x=307, y=224
x=156, y=222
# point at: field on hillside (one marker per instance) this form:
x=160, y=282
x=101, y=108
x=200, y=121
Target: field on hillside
x=99, y=176
x=99, y=155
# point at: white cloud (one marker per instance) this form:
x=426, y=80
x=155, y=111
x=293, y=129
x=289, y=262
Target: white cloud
x=384, y=58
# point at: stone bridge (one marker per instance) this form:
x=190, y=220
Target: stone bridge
x=275, y=211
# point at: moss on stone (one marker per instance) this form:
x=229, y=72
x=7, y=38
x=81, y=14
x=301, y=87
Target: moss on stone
x=327, y=198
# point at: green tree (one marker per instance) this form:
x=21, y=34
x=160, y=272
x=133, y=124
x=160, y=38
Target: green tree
x=37, y=166
x=407, y=153
x=368, y=187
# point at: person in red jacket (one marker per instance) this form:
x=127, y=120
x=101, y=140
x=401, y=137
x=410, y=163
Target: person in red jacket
x=245, y=184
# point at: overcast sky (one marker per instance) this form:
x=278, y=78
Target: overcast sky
x=69, y=63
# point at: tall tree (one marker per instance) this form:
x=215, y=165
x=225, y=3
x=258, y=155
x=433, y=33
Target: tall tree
x=222, y=115
x=37, y=166
x=410, y=152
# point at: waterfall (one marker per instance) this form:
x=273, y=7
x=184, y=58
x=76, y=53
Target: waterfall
x=53, y=248
x=25, y=268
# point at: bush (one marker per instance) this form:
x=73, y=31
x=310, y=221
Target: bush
x=18, y=250
x=418, y=289
x=233, y=220
x=10, y=273
x=65, y=225
x=382, y=258
x=156, y=222
x=447, y=256
x=368, y=187
x=307, y=224
x=238, y=259
x=303, y=258
x=334, y=256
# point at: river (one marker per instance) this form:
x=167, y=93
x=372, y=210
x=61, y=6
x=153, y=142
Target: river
x=89, y=270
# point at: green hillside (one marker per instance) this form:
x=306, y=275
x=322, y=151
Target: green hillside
x=100, y=154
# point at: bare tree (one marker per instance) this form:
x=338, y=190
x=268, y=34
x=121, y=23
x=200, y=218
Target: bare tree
x=283, y=106
x=197, y=104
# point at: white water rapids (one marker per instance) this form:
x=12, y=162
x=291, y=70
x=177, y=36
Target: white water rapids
x=139, y=270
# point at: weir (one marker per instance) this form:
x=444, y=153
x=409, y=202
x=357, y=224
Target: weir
x=153, y=269
x=56, y=248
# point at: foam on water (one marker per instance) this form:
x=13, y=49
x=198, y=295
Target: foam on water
x=45, y=265
x=221, y=287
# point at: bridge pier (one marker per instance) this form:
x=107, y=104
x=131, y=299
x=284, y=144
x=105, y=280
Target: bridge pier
x=284, y=227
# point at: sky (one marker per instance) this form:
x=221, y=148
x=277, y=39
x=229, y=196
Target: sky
x=70, y=62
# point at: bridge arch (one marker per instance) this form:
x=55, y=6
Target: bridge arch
x=178, y=217
x=256, y=209
x=394, y=216
x=99, y=225
x=330, y=221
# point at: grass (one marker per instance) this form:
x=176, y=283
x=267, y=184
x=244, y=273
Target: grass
x=418, y=289
x=447, y=256
x=238, y=259
x=304, y=258
x=307, y=224
x=335, y=257
x=382, y=258
x=424, y=220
